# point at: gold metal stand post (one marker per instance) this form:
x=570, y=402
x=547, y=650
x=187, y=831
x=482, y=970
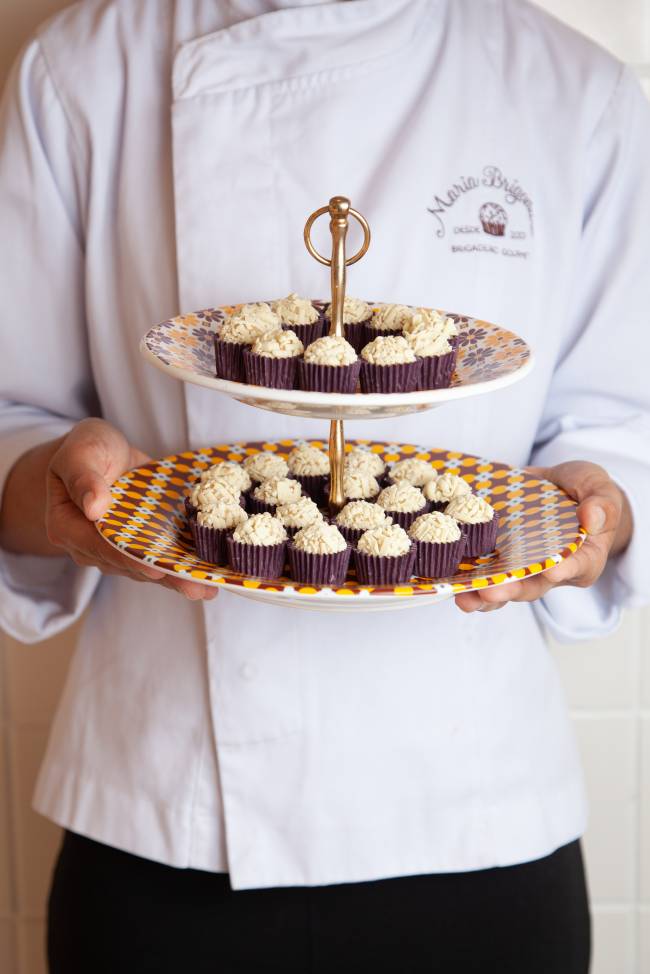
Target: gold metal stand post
x=340, y=210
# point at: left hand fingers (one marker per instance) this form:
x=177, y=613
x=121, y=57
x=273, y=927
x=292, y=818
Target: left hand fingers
x=581, y=569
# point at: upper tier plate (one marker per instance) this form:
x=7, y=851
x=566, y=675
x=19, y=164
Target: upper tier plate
x=538, y=528
x=489, y=358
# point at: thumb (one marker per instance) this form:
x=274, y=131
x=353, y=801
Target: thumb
x=89, y=460
x=598, y=513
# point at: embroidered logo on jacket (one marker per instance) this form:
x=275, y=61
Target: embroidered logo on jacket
x=488, y=213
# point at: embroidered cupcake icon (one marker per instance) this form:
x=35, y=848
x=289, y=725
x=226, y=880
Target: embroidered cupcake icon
x=493, y=219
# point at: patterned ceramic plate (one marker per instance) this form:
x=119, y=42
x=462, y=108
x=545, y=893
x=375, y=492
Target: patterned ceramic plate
x=489, y=358
x=538, y=528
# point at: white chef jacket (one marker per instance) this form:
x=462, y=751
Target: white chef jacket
x=163, y=156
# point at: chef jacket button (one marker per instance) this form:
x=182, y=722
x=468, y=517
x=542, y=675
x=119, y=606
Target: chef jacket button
x=248, y=671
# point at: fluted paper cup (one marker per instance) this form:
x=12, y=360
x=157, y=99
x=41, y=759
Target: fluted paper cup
x=375, y=570
x=229, y=360
x=274, y=373
x=439, y=559
x=312, y=569
x=328, y=378
x=260, y=561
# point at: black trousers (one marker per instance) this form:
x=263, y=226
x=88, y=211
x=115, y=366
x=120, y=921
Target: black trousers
x=114, y=913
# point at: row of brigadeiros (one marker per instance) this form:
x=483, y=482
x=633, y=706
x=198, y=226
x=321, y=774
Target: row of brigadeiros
x=285, y=344
x=398, y=521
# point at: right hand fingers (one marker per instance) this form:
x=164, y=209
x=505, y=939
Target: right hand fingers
x=90, y=458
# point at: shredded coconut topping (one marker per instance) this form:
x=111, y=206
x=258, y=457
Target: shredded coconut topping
x=299, y=513
x=388, y=350
x=260, y=529
x=365, y=461
x=308, y=461
x=358, y=485
x=361, y=515
x=248, y=323
x=430, y=318
x=470, y=509
x=213, y=492
x=278, y=490
x=261, y=466
x=330, y=350
x=435, y=528
x=403, y=497
x=445, y=487
x=295, y=311
x=278, y=344
x=222, y=516
x=426, y=342
x=354, y=311
x=391, y=317
x=417, y=472
x=387, y=541
x=320, y=538
x=228, y=472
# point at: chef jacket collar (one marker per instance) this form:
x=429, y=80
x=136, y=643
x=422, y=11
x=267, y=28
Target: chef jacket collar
x=304, y=38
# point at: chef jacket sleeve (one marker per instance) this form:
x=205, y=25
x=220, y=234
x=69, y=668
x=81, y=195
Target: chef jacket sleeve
x=598, y=405
x=45, y=375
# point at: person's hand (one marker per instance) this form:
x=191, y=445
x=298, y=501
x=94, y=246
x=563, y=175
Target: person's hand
x=604, y=513
x=79, y=475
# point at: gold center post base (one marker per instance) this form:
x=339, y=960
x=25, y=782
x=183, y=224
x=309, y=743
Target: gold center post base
x=337, y=453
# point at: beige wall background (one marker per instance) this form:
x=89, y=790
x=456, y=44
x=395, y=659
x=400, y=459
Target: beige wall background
x=607, y=682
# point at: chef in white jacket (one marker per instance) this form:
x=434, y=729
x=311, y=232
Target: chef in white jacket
x=390, y=789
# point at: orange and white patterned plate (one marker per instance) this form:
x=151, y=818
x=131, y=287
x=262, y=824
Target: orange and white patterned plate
x=489, y=358
x=538, y=528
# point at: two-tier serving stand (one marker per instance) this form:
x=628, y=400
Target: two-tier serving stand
x=538, y=521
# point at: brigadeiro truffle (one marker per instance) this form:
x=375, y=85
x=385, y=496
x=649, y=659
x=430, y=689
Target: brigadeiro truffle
x=356, y=316
x=440, y=545
x=479, y=521
x=389, y=365
x=272, y=360
x=258, y=546
x=319, y=555
x=330, y=364
x=237, y=332
x=384, y=556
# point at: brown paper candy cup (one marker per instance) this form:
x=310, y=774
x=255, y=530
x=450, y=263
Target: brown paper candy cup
x=256, y=506
x=308, y=333
x=351, y=535
x=375, y=570
x=438, y=559
x=328, y=378
x=371, y=333
x=260, y=561
x=406, y=518
x=229, y=360
x=438, y=506
x=437, y=370
x=315, y=486
x=390, y=378
x=481, y=539
x=274, y=373
x=310, y=569
x=210, y=543
x=355, y=334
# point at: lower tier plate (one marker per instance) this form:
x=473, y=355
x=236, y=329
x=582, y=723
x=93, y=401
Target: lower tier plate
x=538, y=528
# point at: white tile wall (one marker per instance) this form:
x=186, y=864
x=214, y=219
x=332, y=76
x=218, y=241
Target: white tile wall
x=608, y=683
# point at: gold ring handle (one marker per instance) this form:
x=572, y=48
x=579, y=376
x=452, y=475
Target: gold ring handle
x=325, y=260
